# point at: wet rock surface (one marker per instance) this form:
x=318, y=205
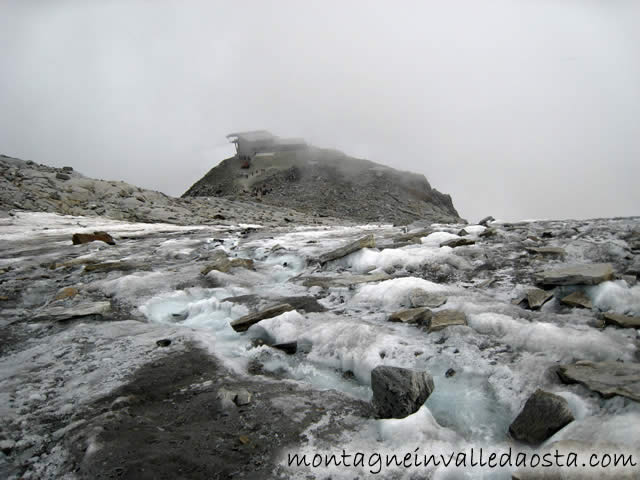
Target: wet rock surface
x=542, y=416
x=399, y=392
x=606, y=378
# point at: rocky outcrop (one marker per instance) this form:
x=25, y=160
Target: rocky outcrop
x=584, y=274
x=399, y=392
x=29, y=186
x=327, y=182
x=606, y=378
x=543, y=415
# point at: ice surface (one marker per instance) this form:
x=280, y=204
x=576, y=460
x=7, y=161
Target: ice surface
x=394, y=293
x=615, y=297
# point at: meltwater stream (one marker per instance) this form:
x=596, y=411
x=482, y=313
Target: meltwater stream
x=498, y=360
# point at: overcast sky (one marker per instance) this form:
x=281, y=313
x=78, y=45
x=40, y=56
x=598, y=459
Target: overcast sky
x=517, y=108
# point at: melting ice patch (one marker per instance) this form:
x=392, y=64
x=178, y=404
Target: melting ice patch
x=395, y=292
x=615, y=297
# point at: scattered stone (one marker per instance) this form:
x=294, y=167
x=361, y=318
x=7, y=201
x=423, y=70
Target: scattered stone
x=80, y=238
x=547, y=250
x=290, y=348
x=446, y=318
x=543, y=415
x=489, y=232
x=343, y=280
x=450, y=373
x=536, y=298
x=589, y=274
x=622, y=321
x=577, y=299
x=306, y=304
x=463, y=233
x=630, y=279
x=634, y=268
x=365, y=242
x=242, y=324
x=606, y=378
x=486, y=220
x=66, y=292
x=115, y=266
x=399, y=392
x=458, y=242
x=419, y=297
x=420, y=316
x=67, y=169
x=165, y=342
x=220, y=262
x=61, y=314
x=62, y=176
x=234, y=398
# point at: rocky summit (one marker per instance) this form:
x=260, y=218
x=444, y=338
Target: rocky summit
x=144, y=337
x=327, y=183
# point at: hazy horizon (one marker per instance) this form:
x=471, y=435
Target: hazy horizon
x=516, y=109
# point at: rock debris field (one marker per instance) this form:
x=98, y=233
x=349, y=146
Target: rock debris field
x=144, y=340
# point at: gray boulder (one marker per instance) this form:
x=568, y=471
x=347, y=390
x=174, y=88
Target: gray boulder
x=588, y=274
x=606, y=378
x=543, y=415
x=399, y=392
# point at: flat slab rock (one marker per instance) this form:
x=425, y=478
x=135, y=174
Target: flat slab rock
x=458, y=242
x=622, y=321
x=542, y=416
x=242, y=324
x=446, y=318
x=547, y=250
x=60, y=314
x=399, y=392
x=365, y=242
x=606, y=378
x=420, y=316
x=343, y=280
x=588, y=274
x=577, y=299
x=535, y=298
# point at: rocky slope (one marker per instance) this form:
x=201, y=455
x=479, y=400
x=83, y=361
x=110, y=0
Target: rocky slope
x=329, y=183
x=29, y=186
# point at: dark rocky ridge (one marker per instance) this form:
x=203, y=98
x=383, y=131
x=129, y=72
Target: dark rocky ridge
x=329, y=183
